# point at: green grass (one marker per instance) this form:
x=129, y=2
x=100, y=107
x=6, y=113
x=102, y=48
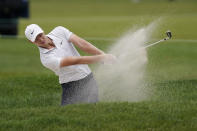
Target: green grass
x=30, y=94
x=108, y=116
x=99, y=18
x=173, y=61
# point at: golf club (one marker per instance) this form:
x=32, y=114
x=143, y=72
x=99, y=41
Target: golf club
x=169, y=36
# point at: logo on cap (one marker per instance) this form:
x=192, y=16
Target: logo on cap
x=32, y=32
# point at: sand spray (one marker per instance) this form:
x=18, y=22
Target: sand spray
x=124, y=79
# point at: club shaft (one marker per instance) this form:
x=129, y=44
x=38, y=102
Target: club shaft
x=155, y=43
x=149, y=45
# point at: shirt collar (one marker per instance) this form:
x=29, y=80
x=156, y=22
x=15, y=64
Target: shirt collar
x=57, y=41
x=44, y=50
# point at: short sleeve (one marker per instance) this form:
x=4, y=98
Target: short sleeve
x=65, y=32
x=51, y=62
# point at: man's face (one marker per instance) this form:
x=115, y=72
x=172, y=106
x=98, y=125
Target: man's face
x=41, y=40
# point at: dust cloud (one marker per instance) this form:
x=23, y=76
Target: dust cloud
x=124, y=79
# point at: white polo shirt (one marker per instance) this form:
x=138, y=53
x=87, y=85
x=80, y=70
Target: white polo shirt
x=51, y=58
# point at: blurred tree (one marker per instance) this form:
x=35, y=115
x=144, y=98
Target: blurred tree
x=10, y=11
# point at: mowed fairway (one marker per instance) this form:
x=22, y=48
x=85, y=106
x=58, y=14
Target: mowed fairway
x=30, y=94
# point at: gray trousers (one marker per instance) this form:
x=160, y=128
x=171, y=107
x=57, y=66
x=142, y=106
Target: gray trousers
x=81, y=91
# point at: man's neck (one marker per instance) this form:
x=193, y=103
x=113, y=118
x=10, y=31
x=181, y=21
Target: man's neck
x=51, y=44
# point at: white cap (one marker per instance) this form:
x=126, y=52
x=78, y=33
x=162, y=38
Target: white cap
x=32, y=31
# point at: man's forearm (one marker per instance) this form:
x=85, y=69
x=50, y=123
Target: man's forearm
x=74, y=60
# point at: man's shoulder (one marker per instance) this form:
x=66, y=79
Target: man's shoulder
x=61, y=32
x=59, y=29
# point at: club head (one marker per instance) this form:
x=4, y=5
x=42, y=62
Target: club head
x=169, y=34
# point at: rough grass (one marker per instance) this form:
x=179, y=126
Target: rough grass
x=30, y=94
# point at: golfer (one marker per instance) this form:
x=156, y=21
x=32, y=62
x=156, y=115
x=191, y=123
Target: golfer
x=57, y=53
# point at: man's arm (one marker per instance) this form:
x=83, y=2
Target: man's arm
x=74, y=60
x=84, y=45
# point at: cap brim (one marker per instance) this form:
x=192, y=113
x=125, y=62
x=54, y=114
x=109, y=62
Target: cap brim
x=35, y=35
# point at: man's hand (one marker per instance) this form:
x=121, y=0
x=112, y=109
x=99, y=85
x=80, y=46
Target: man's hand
x=109, y=59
